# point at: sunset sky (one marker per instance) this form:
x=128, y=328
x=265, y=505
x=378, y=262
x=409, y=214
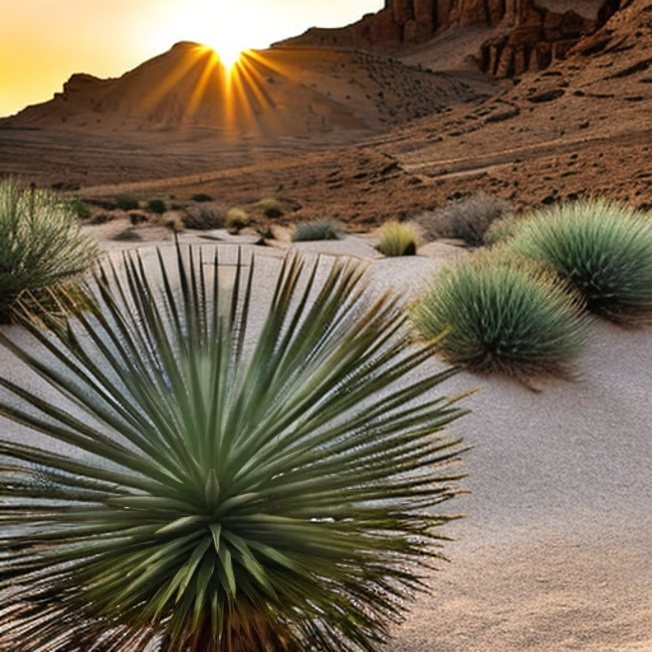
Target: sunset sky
x=43, y=42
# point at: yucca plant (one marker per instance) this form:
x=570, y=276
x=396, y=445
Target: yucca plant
x=238, y=486
x=502, y=314
x=398, y=239
x=603, y=249
x=41, y=243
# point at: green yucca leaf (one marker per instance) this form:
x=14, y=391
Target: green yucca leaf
x=240, y=482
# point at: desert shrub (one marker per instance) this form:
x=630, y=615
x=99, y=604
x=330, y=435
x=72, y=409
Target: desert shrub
x=126, y=203
x=103, y=217
x=398, y=239
x=127, y=235
x=201, y=197
x=204, y=216
x=229, y=488
x=465, y=219
x=270, y=208
x=80, y=208
x=602, y=248
x=316, y=230
x=236, y=220
x=157, y=206
x=41, y=243
x=502, y=230
x=506, y=315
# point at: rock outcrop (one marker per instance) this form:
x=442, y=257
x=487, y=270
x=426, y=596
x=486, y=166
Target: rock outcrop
x=531, y=33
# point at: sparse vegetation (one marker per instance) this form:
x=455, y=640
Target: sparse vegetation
x=502, y=230
x=204, y=216
x=201, y=197
x=41, y=244
x=602, y=248
x=236, y=220
x=316, y=230
x=398, y=239
x=466, y=219
x=502, y=314
x=80, y=208
x=157, y=206
x=128, y=235
x=270, y=208
x=126, y=203
x=228, y=493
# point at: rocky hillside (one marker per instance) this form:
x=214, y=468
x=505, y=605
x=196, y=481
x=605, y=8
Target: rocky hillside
x=520, y=35
x=280, y=93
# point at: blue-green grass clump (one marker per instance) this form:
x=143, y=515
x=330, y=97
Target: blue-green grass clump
x=602, y=248
x=502, y=315
x=317, y=230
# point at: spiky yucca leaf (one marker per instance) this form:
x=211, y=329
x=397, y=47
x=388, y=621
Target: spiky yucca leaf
x=239, y=486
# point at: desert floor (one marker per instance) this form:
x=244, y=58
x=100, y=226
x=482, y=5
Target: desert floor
x=553, y=554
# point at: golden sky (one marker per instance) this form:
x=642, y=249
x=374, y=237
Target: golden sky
x=43, y=42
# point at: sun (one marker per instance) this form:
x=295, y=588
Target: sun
x=225, y=28
x=227, y=53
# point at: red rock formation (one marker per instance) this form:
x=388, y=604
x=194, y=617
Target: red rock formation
x=533, y=32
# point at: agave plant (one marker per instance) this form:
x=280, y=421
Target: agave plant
x=41, y=244
x=239, y=484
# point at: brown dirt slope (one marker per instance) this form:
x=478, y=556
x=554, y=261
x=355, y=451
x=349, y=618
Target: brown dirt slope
x=294, y=93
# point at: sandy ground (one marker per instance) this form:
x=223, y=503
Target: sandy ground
x=553, y=552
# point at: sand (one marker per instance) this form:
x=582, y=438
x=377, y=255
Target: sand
x=553, y=552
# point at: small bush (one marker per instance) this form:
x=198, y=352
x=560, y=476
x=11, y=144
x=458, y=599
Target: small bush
x=317, y=230
x=41, y=244
x=80, y=208
x=398, y=239
x=201, y=198
x=126, y=203
x=204, y=216
x=502, y=230
x=501, y=315
x=128, y=235
x=236, y=220
x=467, y=219
x=157, y=206
x=601, y=248
x=270, y=208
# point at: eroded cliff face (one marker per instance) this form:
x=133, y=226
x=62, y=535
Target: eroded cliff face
x=531, y=33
